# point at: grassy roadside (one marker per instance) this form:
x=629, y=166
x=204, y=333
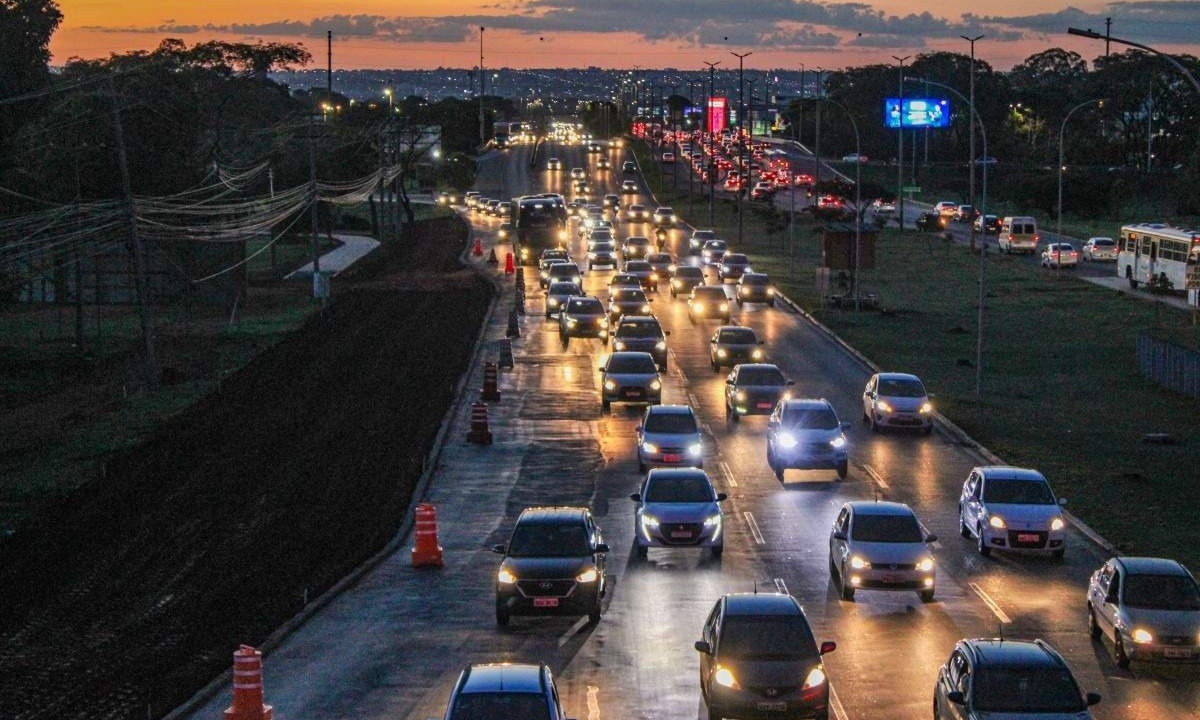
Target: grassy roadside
x=1061, y=389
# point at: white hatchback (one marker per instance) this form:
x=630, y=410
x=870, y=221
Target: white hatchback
x=1011, y=508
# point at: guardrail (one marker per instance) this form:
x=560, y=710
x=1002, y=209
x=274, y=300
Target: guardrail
x=1173, y=366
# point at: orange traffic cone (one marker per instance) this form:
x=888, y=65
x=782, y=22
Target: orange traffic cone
x=248, y=687
x=492, y=259
x=491, y=390
x=509, y=268
x=477, y=251
x=426, y=552
x=479, y=432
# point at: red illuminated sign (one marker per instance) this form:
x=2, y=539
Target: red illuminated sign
x=716, y=114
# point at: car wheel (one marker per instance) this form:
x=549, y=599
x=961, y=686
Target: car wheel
x=771, y=302
x=1059, y=554
x=981, y=543
x=673, y=295
x=594, y=613
x=927, y=429
x=926, y=596
x=1119, y=651
x=734, y=416
x=739, y=302
x=641, y=551
x=502, y=616
x=847, y=590
x=717, y=550
x=962, y=524
x=842, y=469
x=641, y=465
x=779, y=470
x=1093, y=626
x=716, y=368
x=874, y=423
x=714, y=714
x=605, y=406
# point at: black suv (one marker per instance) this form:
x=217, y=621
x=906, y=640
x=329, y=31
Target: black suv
x=758, y=660
x=553, y=565
x=642, y=333
x=1008, y=677
x=517, y=690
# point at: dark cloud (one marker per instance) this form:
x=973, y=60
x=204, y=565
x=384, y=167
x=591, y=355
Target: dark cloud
x=1148, y=21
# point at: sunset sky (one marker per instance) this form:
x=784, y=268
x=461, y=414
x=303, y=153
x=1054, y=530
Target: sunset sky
x=623, y=33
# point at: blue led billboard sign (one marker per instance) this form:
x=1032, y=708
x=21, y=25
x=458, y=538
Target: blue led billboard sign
x=916, y=112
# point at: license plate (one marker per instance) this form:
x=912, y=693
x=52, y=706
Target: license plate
x=1177, y=653
x=633, y=393
x=891, y=579
x=774, y=705
x=680, y=534
x=545, y=602
x=671, y=458
x=1027, y=537
x=763, y=406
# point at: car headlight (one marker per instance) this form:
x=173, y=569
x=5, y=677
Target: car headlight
x=883, y=405
x=650, y=448
x=588, y=576
x=654, y=276
x=649, y=521
x=858, y=562
x=572, y=322
x=724, y=677
x=503, y=234
x=926, y=408
x=926, y=565
x=721, y=352
x=553, y=302
x=724, y=307
x=603, y=322
x=645, y=309
x=756, y=354
x=740, y=395
x=655, y=385
x=1141, y=636
x=524, y=251
x=562, y=234
x=1057, y=524
x=504, y=577
x=997, y=522
x=815, y=678
x=618, y=346
x=610, y=385
x=695, y=449
x=660, y=345
x=712, y=521
x=838, y=442
x=770, y=291
x=787, y=440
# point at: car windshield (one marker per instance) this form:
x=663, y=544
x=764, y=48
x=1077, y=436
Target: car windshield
x=542, y=539
x=761, y=376
x=635, y=266
x=628, y=295
x=658, y=258
x=886, y=528
x=810, y=418
x=499, y=705
x=1102, y=242
x=624, y=279
x=709, y=293
x=686, y=489
x=635, y=363
x=636, y=240
x=639, y=330
x=1009, y=689
x=703, y=235
x=767, y=637
x=563, y=269
x=671, y=423
x=1017, y=492
x=715, y=245
x=664, y=211
x=687, y=271
x=901, y=388
x=1023, y=229
x=585, y=306
x=754, y=279
x=736, y=259
x=1162, y=592
x=737, y=336
x=564, y=288
x=555, y=255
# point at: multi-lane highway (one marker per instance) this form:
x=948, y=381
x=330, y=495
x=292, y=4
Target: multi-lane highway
x=393, y=645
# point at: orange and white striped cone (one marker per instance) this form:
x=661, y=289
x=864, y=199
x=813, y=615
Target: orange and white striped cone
x=426, y=552
x=248, y=687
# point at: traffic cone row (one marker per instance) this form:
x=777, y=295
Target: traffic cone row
x=477, y=251
x=479, y=433
x=491, y=391
x=514, y=330
x=426, y=552
x=506, y=354
x=509, y=267
x=520, y=300
x=248, y=687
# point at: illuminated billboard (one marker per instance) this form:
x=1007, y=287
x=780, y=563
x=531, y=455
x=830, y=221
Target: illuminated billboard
x=716, y=114
x=916, y=112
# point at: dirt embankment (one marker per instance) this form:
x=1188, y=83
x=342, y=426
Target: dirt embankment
x=129, y=595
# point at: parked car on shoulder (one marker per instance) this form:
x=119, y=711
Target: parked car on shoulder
x=931, y=222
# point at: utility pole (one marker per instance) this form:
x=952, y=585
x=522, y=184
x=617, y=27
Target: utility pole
x=1107, y=35
x=712, y=136
x=900, y=144
x=741, y=127
x=135, y=245
x=312, y=193
x=329, y=66
x=482, y=136
x=971, y=120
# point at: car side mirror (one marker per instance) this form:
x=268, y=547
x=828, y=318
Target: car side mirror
x=712, y=342
x=791, y=383
x=602, y=547
x=728, y=381
x=601, y=368
x=500, y=549
x=721, y=497
x=846, y=424
x=931, y=538
x=762, y=342
x=1093, y=699
x=637, y=428
x=956, y=697
x=931, y=396
x=666, y=333
x=1113, y=595
x=1062, y=501
x=636, y=497
x=828, y=646
x=703, y=646
x=839, y=535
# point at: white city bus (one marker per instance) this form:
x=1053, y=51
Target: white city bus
x=1153, y=251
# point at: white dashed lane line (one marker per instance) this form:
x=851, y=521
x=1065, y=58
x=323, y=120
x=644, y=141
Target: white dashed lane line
x=987, y=600
x=758, y=537
x=729, y=478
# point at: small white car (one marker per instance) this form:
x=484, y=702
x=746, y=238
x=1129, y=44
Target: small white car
x=880, y=546
x=897, y=400
x=1100, y=249
x=1148, y=607
x=554, y=164
x=1060, y=255
x=578, y=173
x=1009, y=508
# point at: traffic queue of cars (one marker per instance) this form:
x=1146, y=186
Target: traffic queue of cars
x=757, y=653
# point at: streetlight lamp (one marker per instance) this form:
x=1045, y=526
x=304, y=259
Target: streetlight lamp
x=741, y=127
x=971, y=165
x=1061, y=130
x=900, y=144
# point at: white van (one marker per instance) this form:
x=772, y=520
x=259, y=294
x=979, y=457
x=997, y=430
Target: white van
x=1018, y=234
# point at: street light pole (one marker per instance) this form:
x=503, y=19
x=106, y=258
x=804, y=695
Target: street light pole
x=482, y=136
x=1061, y=130
x=712, y=136
x=741, y=127
x=1169, y=58
x=900, y=144
x=857, y=201
x=971, y=122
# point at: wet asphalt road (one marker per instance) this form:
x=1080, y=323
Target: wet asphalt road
x=392, y=646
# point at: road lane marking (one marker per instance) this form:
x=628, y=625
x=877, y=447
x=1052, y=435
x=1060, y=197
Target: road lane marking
x=729, y=478
x=836, y=704
x=566, y=637
x=987, y=600
x=758, y=537
x=876, y=477
x=781, y=586
x=593, y=702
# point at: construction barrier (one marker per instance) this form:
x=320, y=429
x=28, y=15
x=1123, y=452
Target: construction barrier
x=491, y=390
x=426, y=552
x=506, y=354
x=509, y=268
x=479, y=433
x=477, y=251
x=248, y=687
x=514, y=330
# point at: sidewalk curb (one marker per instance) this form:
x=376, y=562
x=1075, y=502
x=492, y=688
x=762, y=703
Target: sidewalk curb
x=297, y=621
